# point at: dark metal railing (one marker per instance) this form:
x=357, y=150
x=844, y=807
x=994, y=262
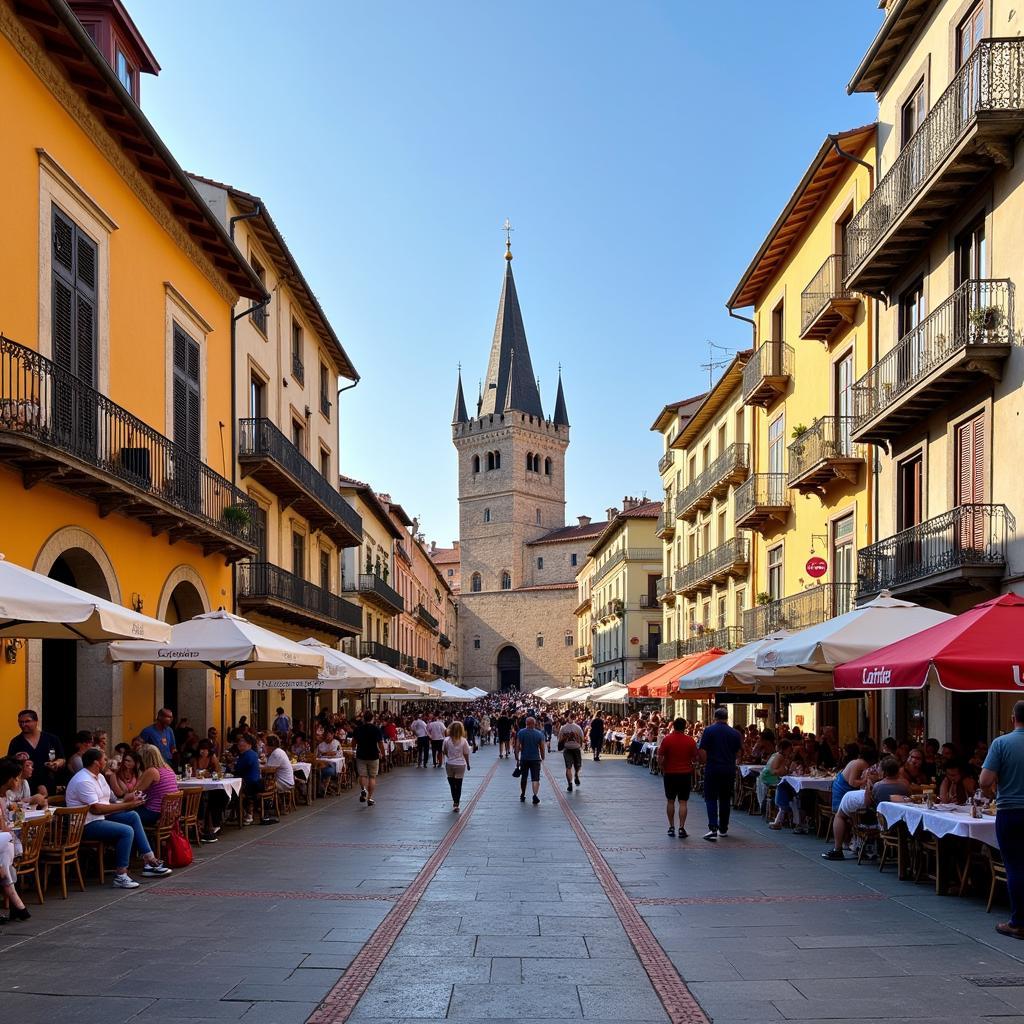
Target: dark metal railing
x=583, y=652
x=369, y=583
x=991, y=79
x=979, y=312
x=664, y=586
x=422, y=664
x=771, y=359
x=726, y=638
x=298, y=368
x=260, y=437
x=824, y=287
x=380, y=652
x=39, y=399
x=762, y=490
x=828, y=437
x=968, y=535
x=325, y=405
x=669, y=650
x=264, y=580
x=444, y=640
x=436, y=669
x=666, y=460
x=732, y=552
x=425, y=617
x=259, y=318
x=736, y=456
x=807, y=608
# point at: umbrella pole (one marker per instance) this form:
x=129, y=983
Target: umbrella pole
x=223, y=711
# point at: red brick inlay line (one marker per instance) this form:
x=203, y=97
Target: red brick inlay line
x=689, y=848
x=346, y=846
x=337, y=1007
x=678, y=1000
x=262, y=894
x=699, y=901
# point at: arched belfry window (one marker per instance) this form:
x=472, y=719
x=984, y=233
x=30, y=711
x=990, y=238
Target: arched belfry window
x=547, y=467
x=490, y=460
x=529, y=462
x=506, y=580
x=476, y=463
x=497, y=460
x=487, y=515
x=475, y=583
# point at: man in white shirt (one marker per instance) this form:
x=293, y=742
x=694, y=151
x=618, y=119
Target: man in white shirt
x=419, y=730
x=277, y=758
x=110, y=821
x=436, y=731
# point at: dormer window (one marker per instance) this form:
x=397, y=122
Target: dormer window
x=125, y=73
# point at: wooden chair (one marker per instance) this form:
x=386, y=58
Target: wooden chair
x=995, y=860
x=269, y=795
x=287, y=798
x=98, y=848
x=170, y=813
x=866, y=829
x=61, y=846
x=826, y=816
x=889, y=847
x=331, y=783
x=33, y=835
x=190, y=801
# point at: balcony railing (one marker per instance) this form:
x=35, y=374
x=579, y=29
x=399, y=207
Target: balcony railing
x=436, y=669
x=823, y=453
x=987, y=93
x=582, y=653
x=666, y=460
x=627, y=555
x=407, y=660
x=762, y=502
x=963, y=548
x=664, y=588
x=797, y=611
x=444, y=640
x=259, y=318
x=826, y=303
x=729, y=559
x=966, y=336
x=669, y=650
x=56, y=428
x=726, y=638
x=379, y=652
x=325, y=405
x=298, y=369
x=422, y=664
x=729, y=468
x=766, y=375
x=665, y=527
x=277, y=592
x=266, y=454
x=427, y=618
x=374, y=589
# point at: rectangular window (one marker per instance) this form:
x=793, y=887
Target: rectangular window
x=186, y=417
x=298, y=435
x=298, y=555
x=540, y=563
x=476, y=643
x=723, y=441
x=844, y=563
x=722, y=611
x=325, y=463
x=573, y=559
x=540, y=639
x=257, y=397
x=723, y=533
x=298, y=366
x=912, y=114
x=325, y=571
x=125, y=73
x=325, y=391
x=775, y=581
x=259, y=316
x=777, y=445
x=779, y=323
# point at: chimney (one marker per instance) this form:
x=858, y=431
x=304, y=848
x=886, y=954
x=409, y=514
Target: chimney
x=433, y=547
x=455, y=544
x=628, y=503
x=611, y=513
x=584, y=520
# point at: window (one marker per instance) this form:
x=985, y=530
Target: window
x=568, y=639
x=298, y=367
x=74, y=284
x=325, y=463
x=775, y=581
x=779, y=323
x=298, y=554
x=540, y=639
x=529, y=462
x=487, y=515
x=476, y=463
x=187, y=430
x=325, y=571
x=777, y=460
x=573, y=559
x=538, y=517
x=257, y=397
x=490, y=461
x=722, y=604
x=912, y=114
x=506, y=580
x=844, y=563
x=475, y=586
x=325, y=391
x=540, y=563
x=451, y=572
x=547, y=467
x=298, y=435
x=723, y=441
x=476, y=643
x=125, y=73
x=497, y=460
x=259, y=315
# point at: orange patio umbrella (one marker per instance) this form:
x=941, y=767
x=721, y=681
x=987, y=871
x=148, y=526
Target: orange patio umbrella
x=669, y=686
x=640, y=687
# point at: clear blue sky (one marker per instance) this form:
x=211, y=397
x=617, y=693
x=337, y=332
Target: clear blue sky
x=640, y=149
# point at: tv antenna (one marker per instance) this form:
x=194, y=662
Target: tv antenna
x=714, y=364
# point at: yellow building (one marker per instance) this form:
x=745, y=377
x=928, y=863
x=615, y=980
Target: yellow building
x=809, y=495
x=117, y=285
x=585, y=627
x=624, y=600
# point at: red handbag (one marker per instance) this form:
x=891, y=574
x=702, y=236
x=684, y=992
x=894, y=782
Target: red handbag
x=178, y=850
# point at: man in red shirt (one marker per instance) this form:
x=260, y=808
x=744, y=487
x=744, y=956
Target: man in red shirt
x=676, y=756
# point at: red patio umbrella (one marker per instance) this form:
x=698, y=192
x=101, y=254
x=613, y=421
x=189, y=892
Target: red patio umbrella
x=981, y=650
x=669, y=686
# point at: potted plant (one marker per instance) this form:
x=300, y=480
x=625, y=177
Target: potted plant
x=797, y=432
x=764, y=598
x=236, y=517
x=369, y=564
x=617, y=606
x=986, y=320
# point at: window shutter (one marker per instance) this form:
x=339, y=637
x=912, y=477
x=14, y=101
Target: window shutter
x=186, y=393
x=978, y=460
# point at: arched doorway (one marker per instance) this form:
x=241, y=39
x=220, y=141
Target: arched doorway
x=509, y=664
x=185, y=690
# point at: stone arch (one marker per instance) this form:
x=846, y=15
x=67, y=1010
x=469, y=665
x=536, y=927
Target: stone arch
x=508, y=666
x=71, y=682
x=187, y=692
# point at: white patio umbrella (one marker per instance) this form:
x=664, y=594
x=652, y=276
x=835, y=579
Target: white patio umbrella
x=34, y=607
x=224, y=642
x=403, y=683
x=736, y=670
x=600, y=691
x=819, y=648
x=475, y=691
x=543, y=691
x=617, y=695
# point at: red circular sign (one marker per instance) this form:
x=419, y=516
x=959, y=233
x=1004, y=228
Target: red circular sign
x=816, y=567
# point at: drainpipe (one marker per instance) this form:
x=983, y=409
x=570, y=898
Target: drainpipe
x=753, y=431
x=347, y=387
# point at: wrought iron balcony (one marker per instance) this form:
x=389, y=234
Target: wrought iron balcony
x=729, y=468
x=766, y=375
x=826, y=303
x=325, y=405
x=436, y=669
x=298, y=368
x=972, y=126
x=824, y=453
x=265, y=454
x=444, y=640
x=725, y=638
x=665, y=528
x=422, y=664
x=969, y=336
x=373, y=589
x=664, y=588
x=729, y=559
x=962, y=549
x=583, y=653
x=762, y=503
x=379, y=652
x=407, y=660
x=797, y=611
x=426, y=618
x=669, y=650
x=259, y=318
x=273, y=591
x=56, y=429
x=627, y=555
x=666, y=460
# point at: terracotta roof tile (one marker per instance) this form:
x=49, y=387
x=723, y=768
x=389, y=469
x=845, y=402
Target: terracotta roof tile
x=546, y=586
x=570, y=533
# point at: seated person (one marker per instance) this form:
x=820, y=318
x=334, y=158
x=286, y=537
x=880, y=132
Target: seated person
x=188, y=746
x=300, y=744
x=912, y=772
x=764, y=747
x=958, y=785
x=806, y=756
x=931, y=759
x=211, y=735
x=977, y=761
x=779, y=764
x=206, y=761
x=83, y=741
x=247, y=768
x=890, y=787
x=830, y=754
x=328, y=747
x=277, y=758
x=20, y=788
x=851, y=778
x=125, y=780
x=155, y=782
x=10, y=846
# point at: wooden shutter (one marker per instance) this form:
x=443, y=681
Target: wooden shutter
x=970, y=483
x=74, y=299
x=186, y=393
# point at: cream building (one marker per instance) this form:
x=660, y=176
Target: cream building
x=585, y=627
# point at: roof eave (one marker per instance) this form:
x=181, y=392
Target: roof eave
x=731, y=378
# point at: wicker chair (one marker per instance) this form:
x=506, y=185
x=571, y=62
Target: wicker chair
x=33, y=835
x=268, y=796
x=170, y=813
x=61, y=846
x=889, y=846
x=867, y=830
x=995, y=860
x=190, y=801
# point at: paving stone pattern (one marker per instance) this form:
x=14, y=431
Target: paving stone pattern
x=516, y=915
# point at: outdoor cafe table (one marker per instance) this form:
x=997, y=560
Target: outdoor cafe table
x=231, y=786
x=821, y=783
x=750, y=769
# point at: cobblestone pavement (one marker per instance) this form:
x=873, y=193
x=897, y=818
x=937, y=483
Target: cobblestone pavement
x=578, y=908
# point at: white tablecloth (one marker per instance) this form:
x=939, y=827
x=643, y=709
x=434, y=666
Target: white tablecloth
x=799, y=782
x=406, y=744
x=302, y=768
x=338, y=762
x=229, y=786
x=940, y=822
x=751, y=769
x=648, y=748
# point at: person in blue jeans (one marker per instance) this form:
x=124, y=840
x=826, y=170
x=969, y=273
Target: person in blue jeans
x=1002, y=776
x=719, y=745
x=115, y=822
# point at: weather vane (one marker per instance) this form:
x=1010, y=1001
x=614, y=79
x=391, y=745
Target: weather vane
x=508, y=229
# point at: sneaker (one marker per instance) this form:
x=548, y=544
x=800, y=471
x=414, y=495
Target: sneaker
x=369, y=803
x=723, y=832
x=568, y=788
x=157, y=870
x=833, y=855
x=800, y=830
x=125, y=882
x=711, y=835
x=683, y=834
x=536, y=799
x=577, y=780
x=522, y=798
x=207, y=839
x=215, y=830
x=247, y=820
x=671, y=831
x=362, y=797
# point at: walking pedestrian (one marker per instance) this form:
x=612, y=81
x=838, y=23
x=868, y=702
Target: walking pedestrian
x=435, y=730
x=419, y=730
x=570, y=743
x=471, y=725
x=1002, y=776
x=597, y=736
x=719, y=745
x=369, y=744
x=676, y=756
x=504, y=734
x=456, y=756
x=549, y=728
x=530, y=751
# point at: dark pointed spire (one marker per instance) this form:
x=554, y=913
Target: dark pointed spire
x=460, y=414
x=479, y=396
x=510, y=382
x=561, y=415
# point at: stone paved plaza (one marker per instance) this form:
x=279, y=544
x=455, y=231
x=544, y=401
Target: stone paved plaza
x=277, y=924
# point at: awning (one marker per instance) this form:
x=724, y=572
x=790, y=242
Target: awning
x=617, y=695
x=735, y=670
x=662, y=681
